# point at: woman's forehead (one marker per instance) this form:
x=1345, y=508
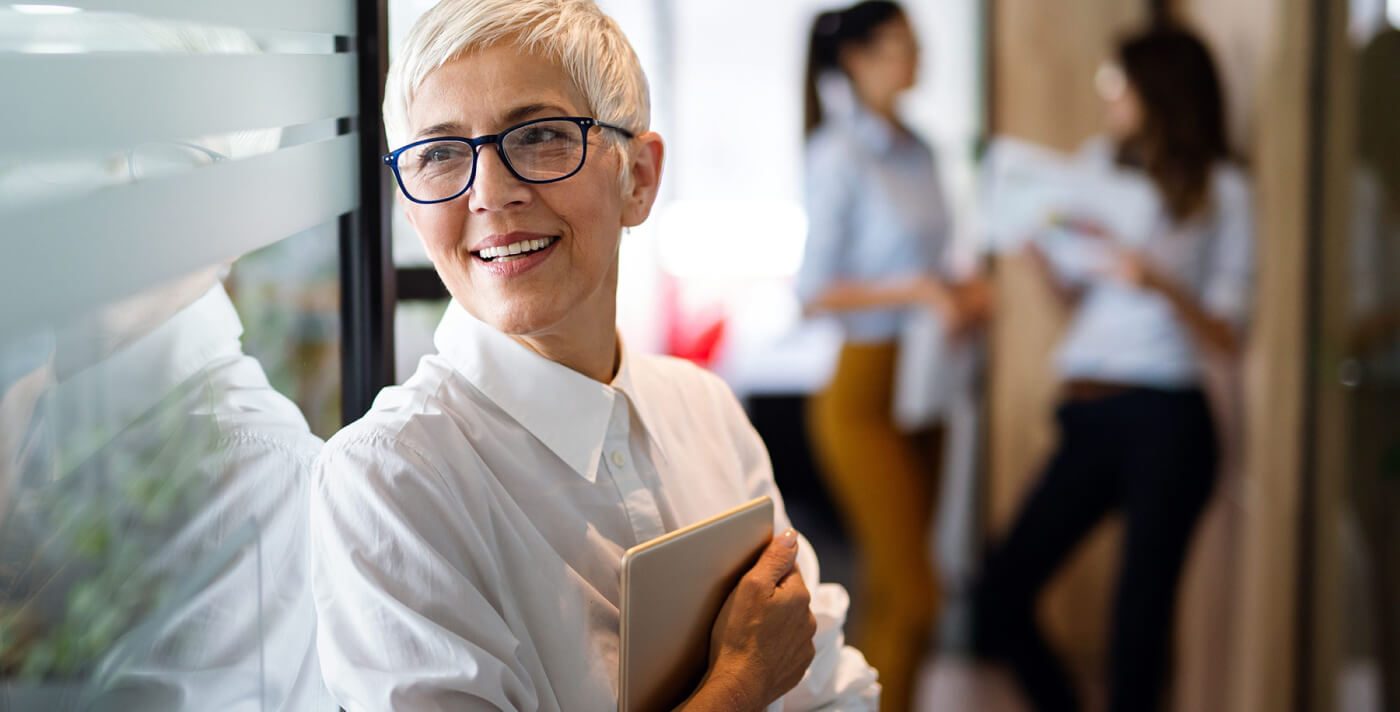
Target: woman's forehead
x=487, y=90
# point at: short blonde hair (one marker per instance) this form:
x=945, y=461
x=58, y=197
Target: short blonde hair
x=587, y=43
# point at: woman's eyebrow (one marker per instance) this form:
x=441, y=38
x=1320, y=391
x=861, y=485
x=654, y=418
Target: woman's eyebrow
x=514, y=116
x=438, y=129
x=521, y=113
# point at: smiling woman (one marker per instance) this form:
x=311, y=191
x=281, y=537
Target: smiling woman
x=560, y=301
x=468, y=531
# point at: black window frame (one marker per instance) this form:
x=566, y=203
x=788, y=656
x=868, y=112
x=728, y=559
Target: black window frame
x=367, y=278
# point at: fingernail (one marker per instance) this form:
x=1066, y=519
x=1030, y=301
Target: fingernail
x=790, y=537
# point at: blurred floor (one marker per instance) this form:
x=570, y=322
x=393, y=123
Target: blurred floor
x=953, y=684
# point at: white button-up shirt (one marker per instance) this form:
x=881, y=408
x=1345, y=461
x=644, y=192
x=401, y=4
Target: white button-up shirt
x=468, y=532
x=1132, y=335
x=876, y=213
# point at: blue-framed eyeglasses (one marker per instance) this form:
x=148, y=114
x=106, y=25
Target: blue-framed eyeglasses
x=436, y=170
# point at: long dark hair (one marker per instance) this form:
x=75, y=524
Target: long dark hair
x=1183, y=128
x=833, y=32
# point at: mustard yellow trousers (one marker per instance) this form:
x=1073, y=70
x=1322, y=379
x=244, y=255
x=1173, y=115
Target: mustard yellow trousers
x=884, y=487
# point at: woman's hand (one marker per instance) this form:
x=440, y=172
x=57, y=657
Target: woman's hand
x=936, y=296
x=1132, y=268
x=921, y=292
x=761, y=644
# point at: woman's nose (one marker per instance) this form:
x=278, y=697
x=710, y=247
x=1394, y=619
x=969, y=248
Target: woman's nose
x=495, y=187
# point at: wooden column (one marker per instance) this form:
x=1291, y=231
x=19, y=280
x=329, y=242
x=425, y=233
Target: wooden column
x=1241, y=36
x=1044, y=56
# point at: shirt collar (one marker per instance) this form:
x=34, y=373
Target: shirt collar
x=625, y=382
x=565, y=410
x=875, y=132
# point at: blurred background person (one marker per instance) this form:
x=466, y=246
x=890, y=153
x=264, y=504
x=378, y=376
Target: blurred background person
x=1136, y=431
x=877, y=246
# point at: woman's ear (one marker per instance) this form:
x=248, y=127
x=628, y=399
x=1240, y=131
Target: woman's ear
x=646, y=154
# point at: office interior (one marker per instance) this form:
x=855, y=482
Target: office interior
x=153, y=150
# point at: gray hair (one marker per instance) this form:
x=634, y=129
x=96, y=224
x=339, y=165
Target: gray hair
x=588, y=44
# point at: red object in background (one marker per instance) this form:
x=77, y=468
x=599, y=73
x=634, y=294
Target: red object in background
x=694, y=336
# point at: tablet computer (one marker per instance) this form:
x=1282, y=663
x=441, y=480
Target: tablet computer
x=673, y=588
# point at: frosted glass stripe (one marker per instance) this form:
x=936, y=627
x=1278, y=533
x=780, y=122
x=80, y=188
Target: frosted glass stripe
x=119, y=241
x=94, y=103
x=335, y=17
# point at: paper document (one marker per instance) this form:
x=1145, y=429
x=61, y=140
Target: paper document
x=1031, y=192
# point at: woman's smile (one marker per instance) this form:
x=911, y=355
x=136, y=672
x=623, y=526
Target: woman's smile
x=515, y=253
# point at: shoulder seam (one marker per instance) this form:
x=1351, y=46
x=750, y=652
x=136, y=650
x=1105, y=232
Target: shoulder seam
x=395, y=443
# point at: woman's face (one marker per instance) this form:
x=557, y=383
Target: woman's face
x=1122, y=107
x=573, y=278
x=886, y=65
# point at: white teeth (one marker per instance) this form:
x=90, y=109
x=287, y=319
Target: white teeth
x=514, y=249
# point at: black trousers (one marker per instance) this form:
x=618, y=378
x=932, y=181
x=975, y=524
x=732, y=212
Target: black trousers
x=1150, y=454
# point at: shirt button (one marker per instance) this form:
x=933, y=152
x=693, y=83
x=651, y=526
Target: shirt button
x=618, y=459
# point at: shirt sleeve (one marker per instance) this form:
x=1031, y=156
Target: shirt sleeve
x=951, y=260
x=245, y=622
x=839, y=677
x=260, y=479
x=1229, y=282
x=828, y=184
x=389, y=545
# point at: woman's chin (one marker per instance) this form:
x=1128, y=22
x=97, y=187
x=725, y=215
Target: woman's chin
x=520, y=319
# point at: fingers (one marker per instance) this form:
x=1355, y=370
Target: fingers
x=793, y=581
x=793, y=588
x=1087, y=227
x=777, y=560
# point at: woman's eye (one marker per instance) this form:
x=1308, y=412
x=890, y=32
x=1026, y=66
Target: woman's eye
x=540, y=135
x=438, y=155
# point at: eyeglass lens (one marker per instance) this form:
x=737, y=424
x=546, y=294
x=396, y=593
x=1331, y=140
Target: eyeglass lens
x=538, y=152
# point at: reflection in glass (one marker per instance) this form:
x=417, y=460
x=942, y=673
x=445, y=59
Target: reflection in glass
x=1370, y=375
x=288, y=294
x=152, y=478
x=152, y=547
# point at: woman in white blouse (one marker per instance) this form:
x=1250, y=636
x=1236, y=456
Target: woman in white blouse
x=467, y=533
x=1137, y=435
